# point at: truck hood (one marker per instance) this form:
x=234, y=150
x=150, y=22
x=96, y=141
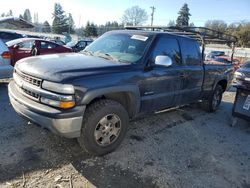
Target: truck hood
x=62, y=67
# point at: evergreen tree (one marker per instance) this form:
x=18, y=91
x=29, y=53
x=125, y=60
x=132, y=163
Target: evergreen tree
x=21, y=16
x=171, y=23
x=60, y=21
x=46, y=27
x=27, y=15
x=183, y=18
x=90, y=30
x=71, y=24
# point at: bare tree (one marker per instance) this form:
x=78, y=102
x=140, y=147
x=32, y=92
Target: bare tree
x=134, y=16
x=218, y=25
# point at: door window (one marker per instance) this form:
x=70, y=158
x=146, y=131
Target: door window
x=26, y=45
x=167, y=46
x=47, y=45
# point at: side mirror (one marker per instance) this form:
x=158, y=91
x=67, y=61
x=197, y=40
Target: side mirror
x=16, y=46
x=163, y=60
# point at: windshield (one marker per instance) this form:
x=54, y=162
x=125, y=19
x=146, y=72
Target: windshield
x=246, y=64
x=119, y=47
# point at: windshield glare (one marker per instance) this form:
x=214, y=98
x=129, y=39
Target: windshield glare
x=121, y=47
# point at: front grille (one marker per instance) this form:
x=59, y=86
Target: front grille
x=21, y=78
x=30, y=93
x=34, y=81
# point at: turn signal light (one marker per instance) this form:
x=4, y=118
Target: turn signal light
x=67, y=104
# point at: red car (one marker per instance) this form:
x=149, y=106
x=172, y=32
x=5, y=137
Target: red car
x=26, y=47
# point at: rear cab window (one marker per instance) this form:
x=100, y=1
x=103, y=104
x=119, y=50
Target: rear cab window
x=191, y=54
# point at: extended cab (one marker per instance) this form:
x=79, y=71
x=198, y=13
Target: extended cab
x=93, y=94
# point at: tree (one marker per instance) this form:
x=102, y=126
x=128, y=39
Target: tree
x=90, y=30
x=217, y=25
x=183, y=18
x=60, y=21
x=46, y=27
x=171, y=23
x=21, y=16
x=242, y=32
x=27, y=15
x=10, y=13
x=71, y=23
x=134, y=16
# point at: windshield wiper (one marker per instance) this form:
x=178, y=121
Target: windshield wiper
x=87, y=52
x=106, y=56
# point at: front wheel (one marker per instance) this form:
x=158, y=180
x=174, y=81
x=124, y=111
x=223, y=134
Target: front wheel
x=104, y=127
x=212, y=104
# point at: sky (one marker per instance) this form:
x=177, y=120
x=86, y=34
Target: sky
x=101, y=11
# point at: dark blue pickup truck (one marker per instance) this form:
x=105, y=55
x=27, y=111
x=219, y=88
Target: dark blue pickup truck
x=93, y=94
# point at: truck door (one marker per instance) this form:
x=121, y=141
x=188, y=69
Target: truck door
x=192, y=71
x=162, y=84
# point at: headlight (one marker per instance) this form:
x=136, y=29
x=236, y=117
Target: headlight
x=60, y=104
x=239, y=75
x=59, y=88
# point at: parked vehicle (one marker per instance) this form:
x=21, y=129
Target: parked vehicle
x=6, y=69
x=93, y=94
x=27, y=47
x=60, y=42
x=6, y=36
x=79, y=45
x=241, y=106
x=214, y=54
x=243, y=74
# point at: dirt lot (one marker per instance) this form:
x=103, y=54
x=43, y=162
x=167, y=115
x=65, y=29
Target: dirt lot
x=181, y=148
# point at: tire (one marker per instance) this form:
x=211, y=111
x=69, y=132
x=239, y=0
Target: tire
x=104, y=127
x=212, y=104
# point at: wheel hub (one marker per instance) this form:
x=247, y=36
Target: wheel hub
x=107, y=130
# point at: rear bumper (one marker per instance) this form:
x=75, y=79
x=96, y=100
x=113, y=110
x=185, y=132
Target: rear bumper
x=6, y=71
x=64, y=123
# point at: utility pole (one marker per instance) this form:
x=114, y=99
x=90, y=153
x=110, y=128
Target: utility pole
x=152, y=15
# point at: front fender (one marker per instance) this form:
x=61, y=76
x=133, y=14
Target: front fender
x=132, y=90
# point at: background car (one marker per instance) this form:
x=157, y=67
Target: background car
x=214, y=54
x=6, y=36
x=21, y=48
x=5, y=68
x=79, y=45
x=242, y=75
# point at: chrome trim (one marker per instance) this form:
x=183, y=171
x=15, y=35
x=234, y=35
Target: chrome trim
x=39, y=91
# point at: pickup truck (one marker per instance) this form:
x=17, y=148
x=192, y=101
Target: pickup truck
x=93, y=94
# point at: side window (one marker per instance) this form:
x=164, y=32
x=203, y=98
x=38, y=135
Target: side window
x=190, y=52
x=167, y=46
x=47, y=45
x=26, y=45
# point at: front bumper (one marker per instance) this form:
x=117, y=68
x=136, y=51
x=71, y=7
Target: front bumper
x=66, y=123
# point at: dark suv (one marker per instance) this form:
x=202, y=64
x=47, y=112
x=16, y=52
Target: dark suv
x=6, y=36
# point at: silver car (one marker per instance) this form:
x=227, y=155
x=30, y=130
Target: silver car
x=6, y=69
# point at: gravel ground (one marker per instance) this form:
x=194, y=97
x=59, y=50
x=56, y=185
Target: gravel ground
x=186, y=147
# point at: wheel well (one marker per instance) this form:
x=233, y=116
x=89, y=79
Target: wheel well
x=223, y=84
x=124, y=98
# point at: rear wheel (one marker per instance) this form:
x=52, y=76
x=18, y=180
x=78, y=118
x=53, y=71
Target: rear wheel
x=212, y=104
x=104, y=127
